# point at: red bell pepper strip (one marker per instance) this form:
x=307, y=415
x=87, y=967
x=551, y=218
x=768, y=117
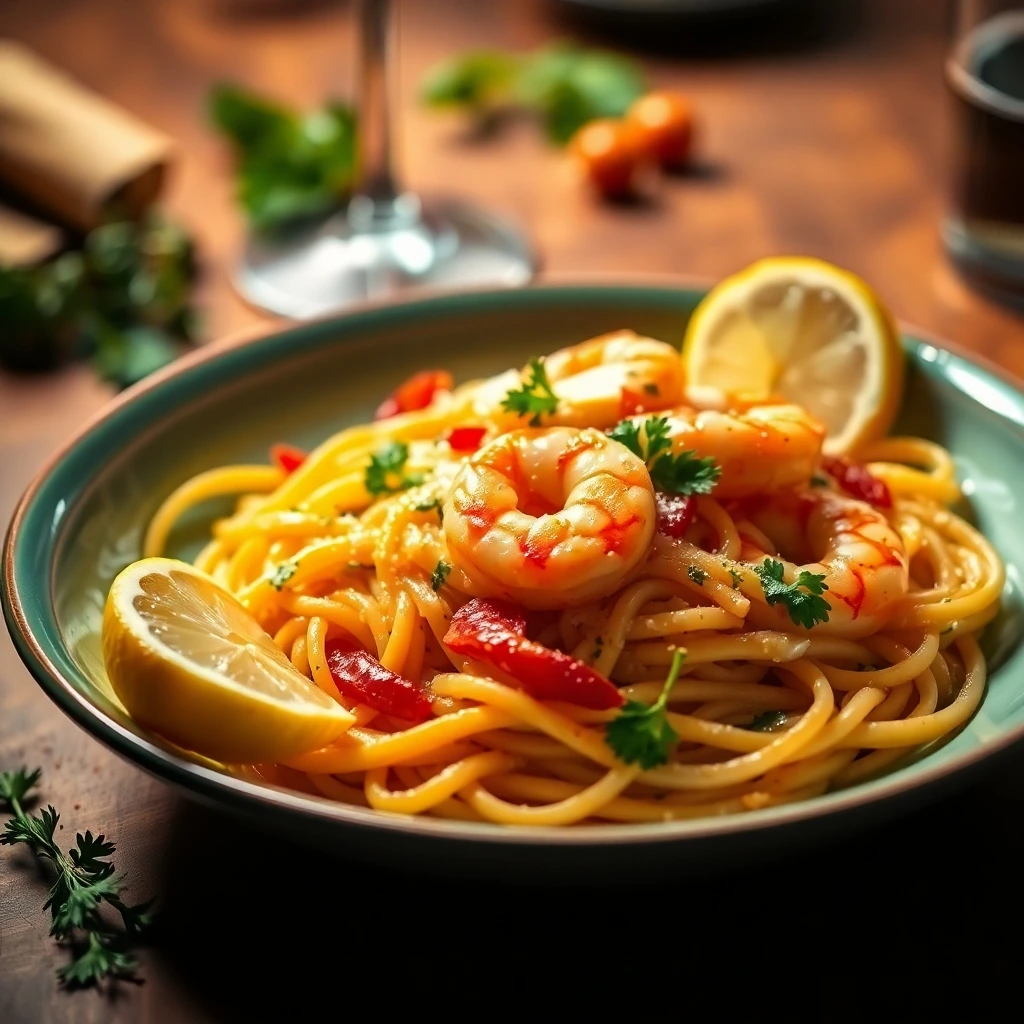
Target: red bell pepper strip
x=287, y=456
x=415, y=393
x=494, y=632
x=466, y=439
x=632, y=403
x=858, y=482
x=360, y=676
x=675, y=513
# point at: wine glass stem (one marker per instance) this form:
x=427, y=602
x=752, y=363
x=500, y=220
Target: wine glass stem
x=376, y=182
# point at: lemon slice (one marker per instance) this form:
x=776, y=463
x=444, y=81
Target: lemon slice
x=190, y=663
x=806, y=330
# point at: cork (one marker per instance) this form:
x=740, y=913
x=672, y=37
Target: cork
x=25, y=241
x=77, y=156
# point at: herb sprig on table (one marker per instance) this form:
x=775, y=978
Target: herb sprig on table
x=565, y=85
x=289, y=166
x=124, y=299
x=84, y=880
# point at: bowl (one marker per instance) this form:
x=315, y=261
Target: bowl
x=83, y=517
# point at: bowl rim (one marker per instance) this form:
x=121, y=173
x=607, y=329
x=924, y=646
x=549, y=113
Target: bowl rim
x=213, y=784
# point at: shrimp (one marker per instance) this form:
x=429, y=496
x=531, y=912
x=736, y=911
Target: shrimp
x=550, y=518
x=861, y=555
x=765, y=448
x=597, y=382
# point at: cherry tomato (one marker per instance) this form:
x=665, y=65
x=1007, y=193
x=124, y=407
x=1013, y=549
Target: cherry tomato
x=664, y=125
x=608, y=151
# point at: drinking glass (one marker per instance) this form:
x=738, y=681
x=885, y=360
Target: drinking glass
x=984, y=231
x=388, y=241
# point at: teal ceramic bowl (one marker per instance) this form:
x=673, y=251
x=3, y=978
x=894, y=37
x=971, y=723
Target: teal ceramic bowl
x=82, y=520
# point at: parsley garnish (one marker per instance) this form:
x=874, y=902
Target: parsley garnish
x=535, y=398
x=819, y=481
x=685, y=473
x=652, y=389
x=433, y=503
x=802, y=599
x=439, y=575
x=642, y=735
x=736, y=577
x=768, y=721
x=697, y=575
x=598, y=647
x=282, y=574
x=85, y=881
x=385, y=473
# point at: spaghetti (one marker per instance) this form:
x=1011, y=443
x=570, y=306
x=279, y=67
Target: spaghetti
x=468, y=574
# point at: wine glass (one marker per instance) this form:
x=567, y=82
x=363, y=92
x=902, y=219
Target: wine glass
x=388, y=241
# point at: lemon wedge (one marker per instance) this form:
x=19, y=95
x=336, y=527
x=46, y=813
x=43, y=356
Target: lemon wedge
x=190, y=663
x=808, y=331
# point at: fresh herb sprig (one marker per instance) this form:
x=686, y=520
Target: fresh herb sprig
x=386, y=474
x=685, y=473
x=641, y=734
x=535, y=398
x=124, y=298
x=85, y=880
x=565, y=85
x=802, y=598
x=440, y=575
x=768, y=721
x=289, y=166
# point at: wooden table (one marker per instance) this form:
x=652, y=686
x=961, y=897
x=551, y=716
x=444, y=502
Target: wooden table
x=828, y=143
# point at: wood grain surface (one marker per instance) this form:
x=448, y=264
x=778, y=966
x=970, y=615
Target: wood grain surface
x=818, y=135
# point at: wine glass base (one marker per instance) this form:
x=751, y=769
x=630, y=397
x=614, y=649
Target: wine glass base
x=320, y=271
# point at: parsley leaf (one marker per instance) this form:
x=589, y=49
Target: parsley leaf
x=439, y=575
x=768, y=721
x=85, y=880
x=642, y=735
x=385, y=473
x=289, y=166
x=736, y=577
x=627, y=433
x=696, y=574
x=802, y=598
x=433, y=504
x=535, y=398
x=685, y=473
x=282, y=574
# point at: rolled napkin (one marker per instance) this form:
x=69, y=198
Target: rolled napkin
x=76, y=155
x=25, y=241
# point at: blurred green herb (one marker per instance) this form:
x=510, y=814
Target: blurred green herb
x=290, y=166
x=124, y=298
x=565, y=84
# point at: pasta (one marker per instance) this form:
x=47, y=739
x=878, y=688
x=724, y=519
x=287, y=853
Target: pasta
x=497, y=552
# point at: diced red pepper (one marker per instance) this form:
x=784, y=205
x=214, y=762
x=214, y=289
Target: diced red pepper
x=494, y=632
x=858, y=482
x=360, y=676
x=466, y=439
x=675, y=513
x=415, y=393
x=287, y=456
x=632, y=403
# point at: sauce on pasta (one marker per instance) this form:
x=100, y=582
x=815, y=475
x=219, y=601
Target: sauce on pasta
x=490, y=575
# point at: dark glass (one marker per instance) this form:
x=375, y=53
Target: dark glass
x=985, y=230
